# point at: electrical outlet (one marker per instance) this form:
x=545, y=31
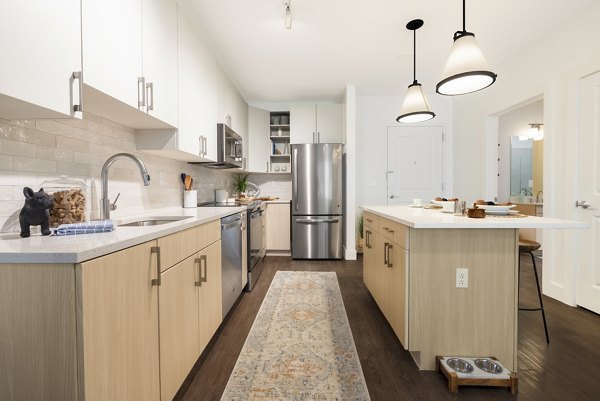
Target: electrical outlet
x=462, y=278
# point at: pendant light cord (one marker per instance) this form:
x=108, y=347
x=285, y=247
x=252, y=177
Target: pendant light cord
x=464, y=19
x=415, y=56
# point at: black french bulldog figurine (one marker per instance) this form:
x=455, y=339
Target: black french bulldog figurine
x=36, y=211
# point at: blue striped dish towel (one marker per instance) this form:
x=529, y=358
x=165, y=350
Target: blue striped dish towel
x=90, y=227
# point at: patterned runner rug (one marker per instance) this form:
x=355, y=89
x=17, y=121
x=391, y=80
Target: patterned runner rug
x=300, y=346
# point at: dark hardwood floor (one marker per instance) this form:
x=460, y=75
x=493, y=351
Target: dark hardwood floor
x=565, y=370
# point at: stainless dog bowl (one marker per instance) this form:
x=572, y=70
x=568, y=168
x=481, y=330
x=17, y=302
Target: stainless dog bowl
x=489, y=366
x=460, y=365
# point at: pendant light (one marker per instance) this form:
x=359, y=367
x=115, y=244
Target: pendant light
x=415, y=108
x=466, y=70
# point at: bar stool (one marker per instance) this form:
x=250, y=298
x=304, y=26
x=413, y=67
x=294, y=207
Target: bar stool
x=527, y=246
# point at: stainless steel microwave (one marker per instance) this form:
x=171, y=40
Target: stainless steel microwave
x=229, y=149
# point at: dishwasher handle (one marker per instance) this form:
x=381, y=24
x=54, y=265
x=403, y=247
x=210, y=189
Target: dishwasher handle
x=235, y=223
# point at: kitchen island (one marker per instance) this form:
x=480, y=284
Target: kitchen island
x=411, y=257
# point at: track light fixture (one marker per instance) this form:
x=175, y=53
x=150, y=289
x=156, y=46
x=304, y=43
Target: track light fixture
x=466, y=70
x=415, y=108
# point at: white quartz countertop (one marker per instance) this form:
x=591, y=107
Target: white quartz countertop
x=79, y=248
x=435, y=218
x=278, y=201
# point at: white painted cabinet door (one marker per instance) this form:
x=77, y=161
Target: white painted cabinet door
x=303, y=123
x=329, y=123
x=112, y=48
x=41, y=48
x=258, y=133
x=159, y=37
x=197, y=117
x=588, y=260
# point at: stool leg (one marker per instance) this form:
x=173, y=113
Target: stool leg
x=537, y=282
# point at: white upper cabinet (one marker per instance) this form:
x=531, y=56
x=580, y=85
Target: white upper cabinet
x=130, y=59
x=258, y=143
x=303, y=123
x=197, y=94
x=316, y=123
x=112, y=49
x=41, y=49
x=329, y=123
x=159, y=55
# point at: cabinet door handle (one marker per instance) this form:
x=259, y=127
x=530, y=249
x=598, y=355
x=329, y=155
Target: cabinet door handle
x=205, y=146
x=367, y=239
x=318, y=137
x=200, y=145
x=385, y=253
x=141, y=92
x=156, y=281
x=389, y=256
x=198, y=283
x=78, y=75
x=205, y=259
x=267, y=167
x=150, y=95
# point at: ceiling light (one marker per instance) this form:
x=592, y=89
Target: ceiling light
x=536, y=131
x=288, y=14
x=415, y=108
x=466, y=70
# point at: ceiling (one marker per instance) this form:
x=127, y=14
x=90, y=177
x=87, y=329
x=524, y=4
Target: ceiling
x=334, y=43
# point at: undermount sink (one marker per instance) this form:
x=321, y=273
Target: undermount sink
x=154, y=221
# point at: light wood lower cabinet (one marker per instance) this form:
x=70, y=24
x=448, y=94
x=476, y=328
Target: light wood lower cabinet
x=190, y=313
x=118, y=316
x=211, y=304
x=179, y=324
x=107, y=329
x=278, y=227
x=411, y=274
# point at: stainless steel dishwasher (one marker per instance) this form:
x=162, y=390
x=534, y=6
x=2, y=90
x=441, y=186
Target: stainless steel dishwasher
x=231, y=260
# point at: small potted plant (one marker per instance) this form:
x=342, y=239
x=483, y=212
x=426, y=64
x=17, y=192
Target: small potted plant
x=241, y=184
x=359, y=227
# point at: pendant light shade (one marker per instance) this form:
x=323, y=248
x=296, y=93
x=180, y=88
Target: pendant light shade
x=466, y=70
x=415, y=108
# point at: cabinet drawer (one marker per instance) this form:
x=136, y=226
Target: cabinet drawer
x=371, y=220
x=176, y=247
x=395, y=232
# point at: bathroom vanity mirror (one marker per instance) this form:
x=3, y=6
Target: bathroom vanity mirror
x=526, y=168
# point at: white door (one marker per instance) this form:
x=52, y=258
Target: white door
x=329, y=123
x=588, y=241
x=112, y=48
x=414, y=163
x=303, y=123
x=160, y=58
x=41, y=48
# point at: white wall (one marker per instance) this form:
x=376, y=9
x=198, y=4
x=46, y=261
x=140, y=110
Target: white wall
x=350, y=150
x=513, y=123
x=551, y=68
x=374, y=114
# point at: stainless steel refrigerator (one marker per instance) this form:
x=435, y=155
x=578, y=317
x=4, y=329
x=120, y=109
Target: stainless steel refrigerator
x=317, y=201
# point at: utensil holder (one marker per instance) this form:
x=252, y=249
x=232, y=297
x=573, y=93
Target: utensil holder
x=190, y=198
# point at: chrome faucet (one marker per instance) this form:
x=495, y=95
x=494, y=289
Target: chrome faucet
x=105, y=205
x=537, y=196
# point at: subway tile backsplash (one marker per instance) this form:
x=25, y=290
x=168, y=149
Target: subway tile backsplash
x=33, y=151
x=276, y=185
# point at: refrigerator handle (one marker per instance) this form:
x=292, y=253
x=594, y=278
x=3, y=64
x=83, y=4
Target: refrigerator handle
x=295, y=178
